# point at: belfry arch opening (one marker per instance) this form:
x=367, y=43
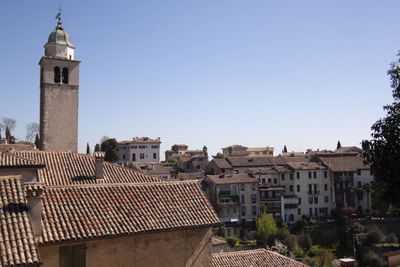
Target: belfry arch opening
x=65, y=76
x=56, y=75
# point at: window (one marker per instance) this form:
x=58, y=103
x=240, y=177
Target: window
x=325, y=174
x=310, y=188
x=154, y=146
x=254, y=210
x=133, y=157
x=269, y=180
x=298, y=211
x=57, y=75
x=72, y=256
x=315, y=174
x=291, y=176
x=123, y=147
x=326, y=187
x=359, y=183
x=326, y=199
x=154, y=155
x=263, y=180
x=316, y=211
x=123, y=156
x=243, y=210
x=65, y=76
x=253, y=198
x=134, y=147
x=298, y=188
x=242, y=199
x=299, y=201
x=253, y=186
x=316, y=200
x=298, y=175
x=291, y=188
x=242, y=187
x=309, y=175
x=141, y=155
x=358, y=172
x=142, y=147
x=282, y=176
x=310, y=212
x=275, y=181
x=310, y=200
x=291, y=217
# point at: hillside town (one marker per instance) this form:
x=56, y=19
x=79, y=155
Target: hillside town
x=127, y=203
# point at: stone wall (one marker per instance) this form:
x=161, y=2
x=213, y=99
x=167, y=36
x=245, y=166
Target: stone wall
x=175, y=248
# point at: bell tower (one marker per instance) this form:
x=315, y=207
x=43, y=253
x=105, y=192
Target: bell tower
x=59, y=90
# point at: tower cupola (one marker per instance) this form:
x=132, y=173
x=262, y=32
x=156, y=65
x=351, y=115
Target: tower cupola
x=59, y=43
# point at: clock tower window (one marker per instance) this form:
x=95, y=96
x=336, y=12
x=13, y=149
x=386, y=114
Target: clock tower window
x=65, y=76
x=56, y=75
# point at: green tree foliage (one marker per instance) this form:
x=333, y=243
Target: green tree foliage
x=171, y=162
x=111, y=147
x=87, y=149
x=205, y=151
x=339, y=145
x=37, y=141
x=375, y=235
x=383, y=150
x=219, y=156
x=97, y=147
x=324, y=257
x=392, y=238
x=10, y=138
x=232, y=241
x=266, y=226
x=370, y=258
x=306, y=241
x=284, y=149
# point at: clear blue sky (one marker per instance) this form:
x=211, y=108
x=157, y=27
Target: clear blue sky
x=203, y=72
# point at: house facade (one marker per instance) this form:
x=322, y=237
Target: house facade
x=140, y=149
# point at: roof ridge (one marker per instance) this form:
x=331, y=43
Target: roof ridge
x=175, y=182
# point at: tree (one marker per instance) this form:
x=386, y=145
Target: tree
x=205, y=151
x=111, y=147
x=32, y=129
x=284, y=149
x=97, y=147
x=8, y=122
x=265, y=225
x=382, y=152
x=219, y=156
x=324, y=257
x=37, y=141
x=10, y=139
x=339, y=145
x=87, y=149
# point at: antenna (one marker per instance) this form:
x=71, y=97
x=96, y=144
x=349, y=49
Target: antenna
x=58, y=16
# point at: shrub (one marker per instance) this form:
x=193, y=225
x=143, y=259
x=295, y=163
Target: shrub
x=231, y=240
x=375, y=235
x=392, y=238
x=370, y=258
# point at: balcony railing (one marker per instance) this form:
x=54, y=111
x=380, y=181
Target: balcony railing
x=228, y=200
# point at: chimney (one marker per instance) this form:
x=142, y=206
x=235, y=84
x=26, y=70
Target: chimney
x=34, y=191
x=99, y=159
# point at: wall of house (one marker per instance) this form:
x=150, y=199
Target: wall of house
x=147, y=149
x=361, y=178
x=176, y=248
x=394, y=260
x=28, y=174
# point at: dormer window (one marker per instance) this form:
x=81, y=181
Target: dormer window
x=65, y=76
x=56, y=75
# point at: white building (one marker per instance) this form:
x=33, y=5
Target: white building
x=140, y=149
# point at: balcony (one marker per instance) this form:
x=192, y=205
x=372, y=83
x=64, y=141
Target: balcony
x=226, y=200
x=273, y=207
x=313, y=192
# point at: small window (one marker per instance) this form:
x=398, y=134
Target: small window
x=298, y=211
x=315, y=174
x=57, y=75
x=123, y=156
x=65, y=76
x=242, y=199
x=275, y=181
x=253, y=186
x=141, y=155
x=326, y=199
x=253, y=198
x=243, y=210
x=298, y=175
x=309, y=175
x=291, y=176
x=269, y=180
x=133, y=157
x=282, y=176
x=291, y=188
x=316, y=200
x=310, y=200
x=154, y=155
x=299, y=201
x=326, y=187
x=325, y=174
x=358, y=172
x=263, y=180
x=242, y=187
x=298, y=188
x=254, y=210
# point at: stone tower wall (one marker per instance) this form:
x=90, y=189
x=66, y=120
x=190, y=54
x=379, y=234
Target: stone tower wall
x=59, y=106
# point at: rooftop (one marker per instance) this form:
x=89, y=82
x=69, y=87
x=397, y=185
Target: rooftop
x=141, y=140
x=231, y=179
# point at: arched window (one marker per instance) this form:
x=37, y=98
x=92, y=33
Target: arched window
x=56, y=75
x=65, y=76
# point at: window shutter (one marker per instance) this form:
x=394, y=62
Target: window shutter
x=65, y=258
x=79, y=255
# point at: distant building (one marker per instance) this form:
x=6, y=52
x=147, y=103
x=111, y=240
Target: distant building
x=218, y=166
x=188, y=160
x=153, y=169
x=140, y=149
x=238, y=150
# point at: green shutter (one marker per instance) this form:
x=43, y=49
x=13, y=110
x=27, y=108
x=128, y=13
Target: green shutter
x=65, y=256
x=79, y=255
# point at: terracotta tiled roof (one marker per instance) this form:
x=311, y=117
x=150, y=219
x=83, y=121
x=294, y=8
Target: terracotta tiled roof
x=231, y=179
x=305, y=165
x=137, y=140
x=17, y=244
x=99, y=211
x=344, y=163
x=249, y=161
x=68, y=168
x=8, y=160
x=250, y=258
x=190, y=175
x=222, y=163
x=255, y=171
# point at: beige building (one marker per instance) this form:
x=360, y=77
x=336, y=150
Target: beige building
x=235, y=198
x=240, y=151
x=140, y=149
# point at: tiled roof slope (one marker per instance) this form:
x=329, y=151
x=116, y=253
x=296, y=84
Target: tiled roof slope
x=98, y=211
x=8, y=160
x=253, y=258
x=231, y=178
x=17, y=244
x=344, y=164
x=68, y=168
